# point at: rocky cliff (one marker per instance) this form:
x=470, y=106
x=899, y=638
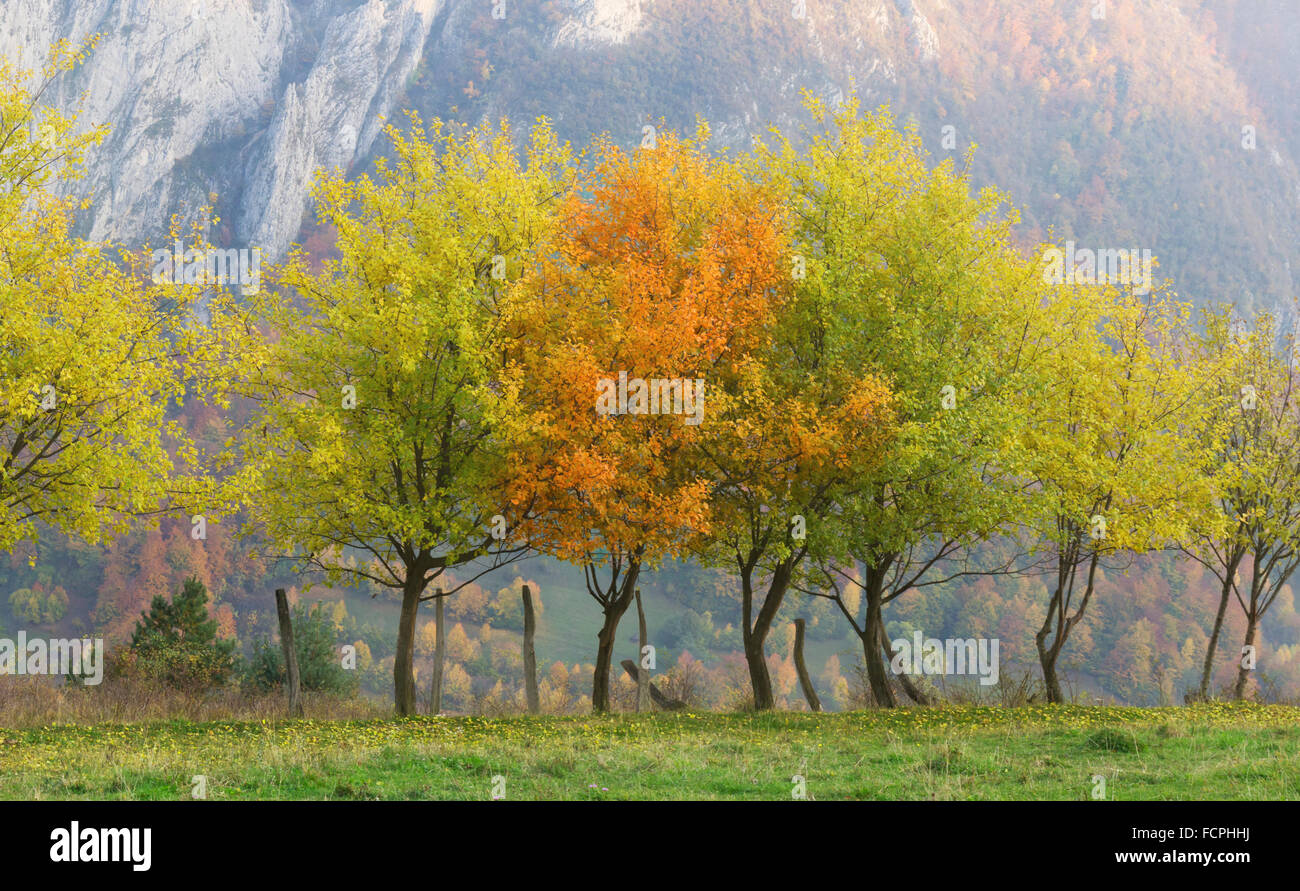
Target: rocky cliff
x=240, y=99
x=1115, y=125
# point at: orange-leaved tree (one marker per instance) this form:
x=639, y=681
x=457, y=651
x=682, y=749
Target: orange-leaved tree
x=665, y=271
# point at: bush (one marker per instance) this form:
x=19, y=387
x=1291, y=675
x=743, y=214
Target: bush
x=177, y=643
x=316, y=642
x=688, y=630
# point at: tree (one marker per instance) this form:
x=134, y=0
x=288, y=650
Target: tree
x=38, y=606
x=930, y=296
x=1224, y=543
x=799, y=421
x=1114, y=454
x=1253, y=427
x=93, y=354
x=665, y=265
x=377, y=431
x=177, y=641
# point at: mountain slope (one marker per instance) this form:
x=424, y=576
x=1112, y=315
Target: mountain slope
x=1119, y=131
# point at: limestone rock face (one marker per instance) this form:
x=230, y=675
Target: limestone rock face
x=599, y=21
x=241, y=98
x=332, y=117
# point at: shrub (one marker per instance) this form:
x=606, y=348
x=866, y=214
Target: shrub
x=316, y=642
x=177, y=643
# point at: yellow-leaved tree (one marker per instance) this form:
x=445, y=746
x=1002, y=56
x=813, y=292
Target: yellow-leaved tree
x=377, y=443
x=93, y=353
x=909, y=279
x=1251, y=428
x=1115, y=455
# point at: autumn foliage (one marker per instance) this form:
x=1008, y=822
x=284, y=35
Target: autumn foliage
x=819, y=372
x=667, y=266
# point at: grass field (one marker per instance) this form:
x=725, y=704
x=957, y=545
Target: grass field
x=1212, y=751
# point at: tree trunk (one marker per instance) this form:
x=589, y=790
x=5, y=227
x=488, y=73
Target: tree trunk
x=530, y=655
x=760, y=678
x=642, y=676
x=1243, y=673
x=604, y=656
x=873, y=632
x=1060, y=620
x=439, y=658
x=876, y=650
x=290, y=653
x=1051, y=683
x=1047, y=656
x=1207, y=670
x=805, y=681
x=755, y=631
x=403, y=676
x=608, y=636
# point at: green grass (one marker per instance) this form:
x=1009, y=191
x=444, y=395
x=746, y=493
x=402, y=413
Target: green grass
x=1212, y=751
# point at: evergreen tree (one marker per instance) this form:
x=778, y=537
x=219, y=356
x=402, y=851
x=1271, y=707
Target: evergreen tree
x=315, y=640
x=177, y=641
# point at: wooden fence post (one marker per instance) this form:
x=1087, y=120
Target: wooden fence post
x=642, y=676
x=439, y=656
x=804, y=680
x=290, y=654
x=530, y=655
